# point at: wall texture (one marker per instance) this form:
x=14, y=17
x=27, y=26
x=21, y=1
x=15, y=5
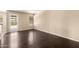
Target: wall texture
x=63, y=23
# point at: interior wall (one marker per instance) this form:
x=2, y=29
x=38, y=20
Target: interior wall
x=23, y=20
x=3, y=16
x=63, y=23
x=4, y=24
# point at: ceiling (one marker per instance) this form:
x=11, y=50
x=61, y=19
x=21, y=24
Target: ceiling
x=25, y=11
x=28, y=11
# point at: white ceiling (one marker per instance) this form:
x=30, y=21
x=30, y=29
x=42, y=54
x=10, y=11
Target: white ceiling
x=29, y=11
x=34, y=11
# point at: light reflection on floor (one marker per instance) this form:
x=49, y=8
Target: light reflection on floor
x=14, y=40
x=30, y=38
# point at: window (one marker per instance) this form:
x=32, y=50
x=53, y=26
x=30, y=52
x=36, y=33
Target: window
x=1, y=19
x=13, y=20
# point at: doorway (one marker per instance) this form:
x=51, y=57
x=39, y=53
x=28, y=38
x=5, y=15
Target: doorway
x=0, y=31
x=31, y=22
x=13, y=23
x=1, y=26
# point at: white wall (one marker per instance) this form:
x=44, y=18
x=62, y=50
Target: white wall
x=23, y=20
x=59, y=22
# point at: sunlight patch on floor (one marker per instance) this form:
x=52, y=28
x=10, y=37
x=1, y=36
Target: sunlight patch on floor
x=30, y=38
x=14, y=40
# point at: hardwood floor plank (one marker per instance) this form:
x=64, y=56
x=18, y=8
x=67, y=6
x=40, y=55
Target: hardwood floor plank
x=37, y=39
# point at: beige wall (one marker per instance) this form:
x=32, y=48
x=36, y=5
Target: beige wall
x=23, y=20
x=24, y=23
x=60, y=22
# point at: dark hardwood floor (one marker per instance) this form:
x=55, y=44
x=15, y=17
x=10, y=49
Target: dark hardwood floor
x=37, y=39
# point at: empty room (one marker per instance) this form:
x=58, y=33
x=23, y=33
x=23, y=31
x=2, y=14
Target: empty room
x=39, y=29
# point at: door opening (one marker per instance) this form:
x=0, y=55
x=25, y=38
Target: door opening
x=0, y=31
x=31, y=22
